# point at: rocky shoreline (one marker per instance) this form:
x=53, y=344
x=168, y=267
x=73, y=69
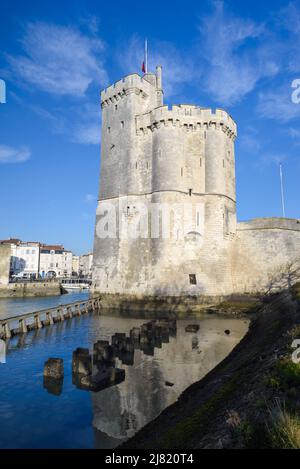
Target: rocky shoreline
x=250, y=400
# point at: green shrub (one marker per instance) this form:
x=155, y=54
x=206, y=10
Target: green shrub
x=288, y=374
x=272, y=382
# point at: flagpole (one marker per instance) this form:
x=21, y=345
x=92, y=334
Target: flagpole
x=282, y=193
x=146, y=56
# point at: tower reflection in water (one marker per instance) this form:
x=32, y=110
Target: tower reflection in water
x=160, y=360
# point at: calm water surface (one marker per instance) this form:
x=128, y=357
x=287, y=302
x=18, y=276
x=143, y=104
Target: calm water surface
x=31, y=417
x=13, y=306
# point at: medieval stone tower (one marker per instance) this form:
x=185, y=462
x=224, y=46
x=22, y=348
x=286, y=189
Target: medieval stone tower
x=157, y=158
x=156, y=155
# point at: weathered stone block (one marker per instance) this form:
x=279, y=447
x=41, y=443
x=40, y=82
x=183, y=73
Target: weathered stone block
x=53, y=386
x=165, y=334
x=127, y=358
x=81, y=362
x=135, y=333
x=54, y=368
x=103, y=379
x=104, y=354
x=118, y=338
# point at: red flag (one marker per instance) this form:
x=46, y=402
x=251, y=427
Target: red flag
x=143, y=68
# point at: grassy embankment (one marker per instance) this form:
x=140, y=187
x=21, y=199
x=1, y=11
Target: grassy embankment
x=251, y=399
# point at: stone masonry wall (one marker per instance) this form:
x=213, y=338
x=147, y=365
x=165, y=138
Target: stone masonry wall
x=263, y=252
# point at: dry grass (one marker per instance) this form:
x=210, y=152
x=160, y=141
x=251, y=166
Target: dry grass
x=283, y=428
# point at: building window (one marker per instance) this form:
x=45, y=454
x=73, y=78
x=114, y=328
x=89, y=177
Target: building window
x=193, y=280
x=181, y=172
x=223, y=163
x=116, y=107
x=190, y=192
x=108, y=130
x=200, y=162
x=122, y=124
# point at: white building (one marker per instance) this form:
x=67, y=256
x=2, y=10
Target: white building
x=25, y=257
x=34, y=259
x=55, y=261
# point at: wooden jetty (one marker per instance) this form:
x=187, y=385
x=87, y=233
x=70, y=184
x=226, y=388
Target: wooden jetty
x=46, y=317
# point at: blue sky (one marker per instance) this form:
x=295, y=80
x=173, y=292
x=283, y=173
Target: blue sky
x=56, y=57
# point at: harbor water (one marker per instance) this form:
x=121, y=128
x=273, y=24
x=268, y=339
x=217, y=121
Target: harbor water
x=31, y=416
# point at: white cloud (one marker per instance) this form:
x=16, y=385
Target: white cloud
x=289, y=20
x=268, y=159
x=92, y=23
x=88, y=134
x=10, y=154
x=233, y=70
x=84, y=127
x=90, y=198
x=294, y=133
x=59, y=60
x=250, y=143
x=87, y=126
x=277, y=104
x=272, y=159
x=177, y=70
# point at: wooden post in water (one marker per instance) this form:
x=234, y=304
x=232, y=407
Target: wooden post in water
x=60, y=314
x=23, y=326
x=6, y=330
x=49, y=317
x=69, y=312
x=78, y=310
x=38, y=323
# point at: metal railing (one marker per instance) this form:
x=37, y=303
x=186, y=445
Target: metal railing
x=46, y=317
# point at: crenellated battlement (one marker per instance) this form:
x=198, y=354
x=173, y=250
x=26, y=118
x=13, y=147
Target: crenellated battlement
x=130, y=84
x=188, y=117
